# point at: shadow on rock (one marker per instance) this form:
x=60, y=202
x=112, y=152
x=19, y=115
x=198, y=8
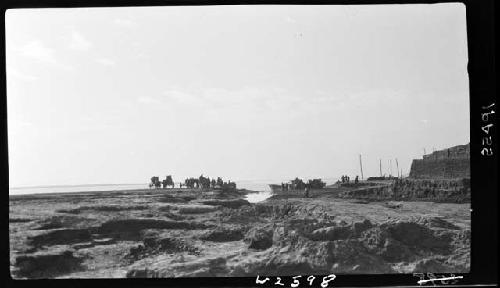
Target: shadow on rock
x=154, y=244
x=260, y=238
x=130, y=229
x=56, y=222
x=418, y=236
x=60, y=237
x=223, y=235
x=47, y=265
x=234, y=204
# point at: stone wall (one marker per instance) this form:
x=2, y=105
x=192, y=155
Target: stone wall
x=450, y=163
x=440, y=168
x=455, y=152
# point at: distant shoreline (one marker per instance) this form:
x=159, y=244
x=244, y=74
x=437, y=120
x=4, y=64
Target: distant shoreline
x=141, y=190
x=75, y=192
x=73, y=185
x=99, y=188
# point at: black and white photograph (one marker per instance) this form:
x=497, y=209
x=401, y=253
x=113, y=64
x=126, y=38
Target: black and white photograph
x=238, y=141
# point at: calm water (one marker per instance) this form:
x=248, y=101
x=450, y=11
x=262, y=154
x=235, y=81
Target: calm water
x=74, y=188
x=250, y=185
x=261, y=187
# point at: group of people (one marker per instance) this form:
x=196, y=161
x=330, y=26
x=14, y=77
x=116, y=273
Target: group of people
x=287, y=186
x=298, y=184
x=347, y=179
x=200, y=182
x=155, y=182
x=206, y=182
x=293, y=186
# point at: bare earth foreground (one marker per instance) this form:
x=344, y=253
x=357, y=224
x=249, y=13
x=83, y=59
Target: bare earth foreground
x=189, y=233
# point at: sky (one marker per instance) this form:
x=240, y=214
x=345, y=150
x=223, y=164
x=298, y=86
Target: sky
x=117, y=95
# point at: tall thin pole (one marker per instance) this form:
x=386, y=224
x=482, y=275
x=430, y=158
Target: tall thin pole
x=361, y=166
x=397, y=166
x=380, y=167
x=390, y=167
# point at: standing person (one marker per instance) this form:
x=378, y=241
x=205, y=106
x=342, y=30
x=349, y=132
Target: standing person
x=306, y=192
x=356, y=180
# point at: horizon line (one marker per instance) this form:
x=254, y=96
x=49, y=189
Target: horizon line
x=113, y=184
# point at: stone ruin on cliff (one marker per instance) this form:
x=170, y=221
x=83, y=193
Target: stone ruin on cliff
x=450, y=163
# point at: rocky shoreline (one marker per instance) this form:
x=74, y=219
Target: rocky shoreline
x=210, y=233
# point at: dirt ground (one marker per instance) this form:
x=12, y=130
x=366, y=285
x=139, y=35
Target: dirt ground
x=189, y=233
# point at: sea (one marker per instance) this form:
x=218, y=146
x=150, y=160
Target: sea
x=262, y=189
x=260, y=186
